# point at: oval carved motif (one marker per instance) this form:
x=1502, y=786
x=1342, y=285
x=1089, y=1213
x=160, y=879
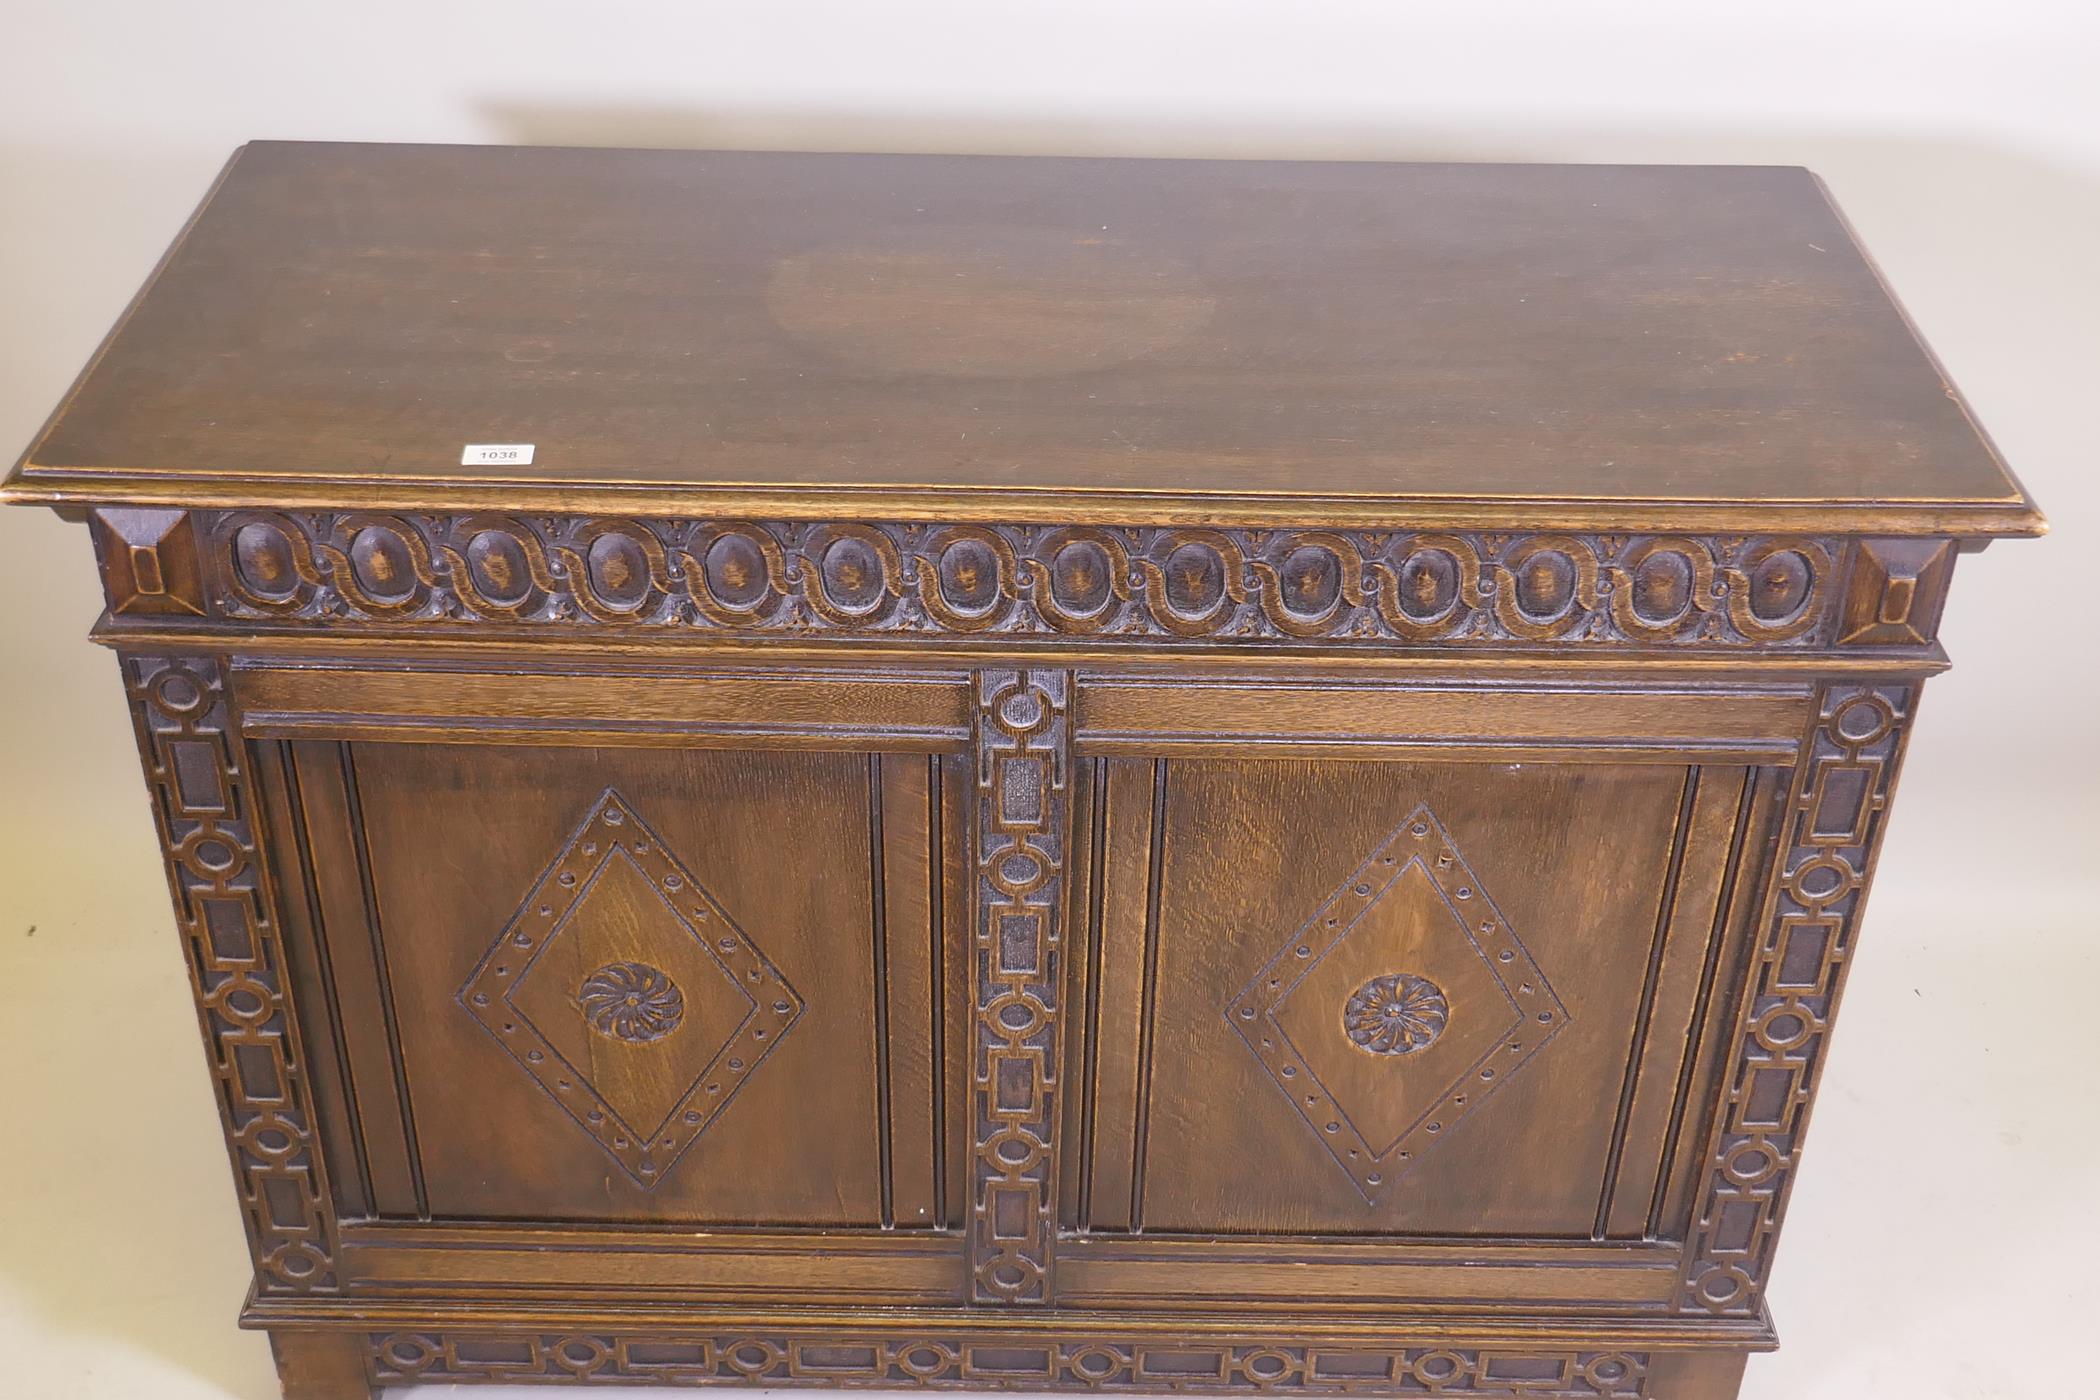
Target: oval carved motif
x=852, y=576
x=735, y=570
x=968, y=576
x=1428, y=584
x=1195, y=580
x=1310, y=580
x=1662, y=586
x=1081, y=578
x=262, y=556
x=619, y=571
x=1780, y=585
x=497, y=567
x=380, y=559
x=1545, y=585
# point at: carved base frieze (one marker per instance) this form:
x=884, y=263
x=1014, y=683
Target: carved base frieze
x=990, y=1361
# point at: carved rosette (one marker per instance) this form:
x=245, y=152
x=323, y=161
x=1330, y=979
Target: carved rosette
x=991, y=1360
x=631, y=1001
x=1022, y=786
x=1112, y=583
x=1833, y=818
x=1395, y=1015
x=204, y=809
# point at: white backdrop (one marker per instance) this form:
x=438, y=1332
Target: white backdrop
x=1940, y=1241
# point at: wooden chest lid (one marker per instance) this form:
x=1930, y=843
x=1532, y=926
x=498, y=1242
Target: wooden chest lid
x=1026, y=339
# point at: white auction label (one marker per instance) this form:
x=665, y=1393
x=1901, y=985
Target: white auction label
x=497, y=454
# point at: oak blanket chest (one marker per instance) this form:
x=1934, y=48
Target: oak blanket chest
x=1022, y=773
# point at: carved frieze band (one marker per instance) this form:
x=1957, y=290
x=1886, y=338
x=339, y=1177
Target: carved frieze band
x=204, y=808
x=1833, y=821
x=991, y=1361
x=1105, y=583
x=1022, y=784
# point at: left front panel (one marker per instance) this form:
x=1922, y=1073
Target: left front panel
x=624, y=984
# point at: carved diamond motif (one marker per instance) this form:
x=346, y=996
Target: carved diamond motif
x=626, y=991
x=1412, y=961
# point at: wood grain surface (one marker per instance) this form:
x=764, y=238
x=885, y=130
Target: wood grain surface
x=1026, y=338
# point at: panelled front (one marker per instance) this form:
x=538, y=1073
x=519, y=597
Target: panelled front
x=1421, y=986
x=634, y=984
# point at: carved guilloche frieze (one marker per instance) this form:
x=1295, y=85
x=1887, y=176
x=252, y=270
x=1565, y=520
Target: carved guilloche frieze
x=1102, y=583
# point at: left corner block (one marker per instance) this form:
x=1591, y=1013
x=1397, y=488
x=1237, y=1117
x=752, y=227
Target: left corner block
x=149, y=561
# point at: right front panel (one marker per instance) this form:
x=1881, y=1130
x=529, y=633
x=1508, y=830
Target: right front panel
x=1437, y=999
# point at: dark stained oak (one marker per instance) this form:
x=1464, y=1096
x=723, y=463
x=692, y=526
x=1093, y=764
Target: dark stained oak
x=1044, y=339
x=1099, y=775
x=1580, y=861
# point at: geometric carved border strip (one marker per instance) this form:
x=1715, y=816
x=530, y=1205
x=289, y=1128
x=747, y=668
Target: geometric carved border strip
x=204, y=808
x=1840, y=792
x=1020, y=1361
x=1106, y=583
x=1022, y=780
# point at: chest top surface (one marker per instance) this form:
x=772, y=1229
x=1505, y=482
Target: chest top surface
x=1026, y=339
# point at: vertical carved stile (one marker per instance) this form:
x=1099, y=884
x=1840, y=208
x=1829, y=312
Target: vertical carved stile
x=1833, y=821
x=206, y=814
x=1022, y=789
